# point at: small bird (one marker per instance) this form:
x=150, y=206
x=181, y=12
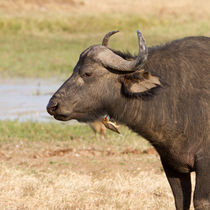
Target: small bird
x=110, y=125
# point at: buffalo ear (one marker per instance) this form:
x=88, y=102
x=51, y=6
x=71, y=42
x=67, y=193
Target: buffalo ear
x=139, y=84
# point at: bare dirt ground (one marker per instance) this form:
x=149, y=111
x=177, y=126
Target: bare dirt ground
x=58, y=176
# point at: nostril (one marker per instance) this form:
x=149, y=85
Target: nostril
x=52, y=106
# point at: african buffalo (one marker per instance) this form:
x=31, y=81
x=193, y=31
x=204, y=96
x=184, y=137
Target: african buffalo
x=163, y=94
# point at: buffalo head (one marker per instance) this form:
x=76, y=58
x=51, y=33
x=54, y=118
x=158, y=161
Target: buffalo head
x=100, y=79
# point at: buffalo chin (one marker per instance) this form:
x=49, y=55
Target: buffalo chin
x=62, y=117
x=80, y=118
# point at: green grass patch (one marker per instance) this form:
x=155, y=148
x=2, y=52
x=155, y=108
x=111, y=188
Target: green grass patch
x=25, y=55
x=35, y=56
x=75, y=24
x=48, y=45
x=77, y=135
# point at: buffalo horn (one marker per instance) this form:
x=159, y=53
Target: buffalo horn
x=114, y=61
x=105, y=41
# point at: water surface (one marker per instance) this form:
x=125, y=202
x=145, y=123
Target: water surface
x=26, y=99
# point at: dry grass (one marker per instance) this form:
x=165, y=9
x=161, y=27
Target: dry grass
x=72, y=172
x=66, y=189
x=178, y=8
x=95, y=16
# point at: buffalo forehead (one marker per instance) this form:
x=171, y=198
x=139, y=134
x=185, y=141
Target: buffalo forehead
x=93, y=51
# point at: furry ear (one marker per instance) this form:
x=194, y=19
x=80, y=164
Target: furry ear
x=138, y=84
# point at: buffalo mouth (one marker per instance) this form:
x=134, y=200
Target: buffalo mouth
x=80, y=116
x=62, y=117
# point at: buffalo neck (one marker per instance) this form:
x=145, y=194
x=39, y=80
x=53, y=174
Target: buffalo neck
x=149, y=118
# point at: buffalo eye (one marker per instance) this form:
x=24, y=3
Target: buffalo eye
x=87, y=74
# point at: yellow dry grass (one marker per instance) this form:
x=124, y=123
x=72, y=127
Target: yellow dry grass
x=158, y=8
x=57, y=176
x=178, y=10
x=69, y=190
x=65, y=189
x=164, y=19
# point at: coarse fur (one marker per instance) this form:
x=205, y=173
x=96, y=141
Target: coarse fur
x=167, y=101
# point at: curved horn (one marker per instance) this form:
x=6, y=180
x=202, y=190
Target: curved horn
x=114, y=61
x=105, y=41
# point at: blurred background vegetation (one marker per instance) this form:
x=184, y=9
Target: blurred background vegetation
x=43, y=38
